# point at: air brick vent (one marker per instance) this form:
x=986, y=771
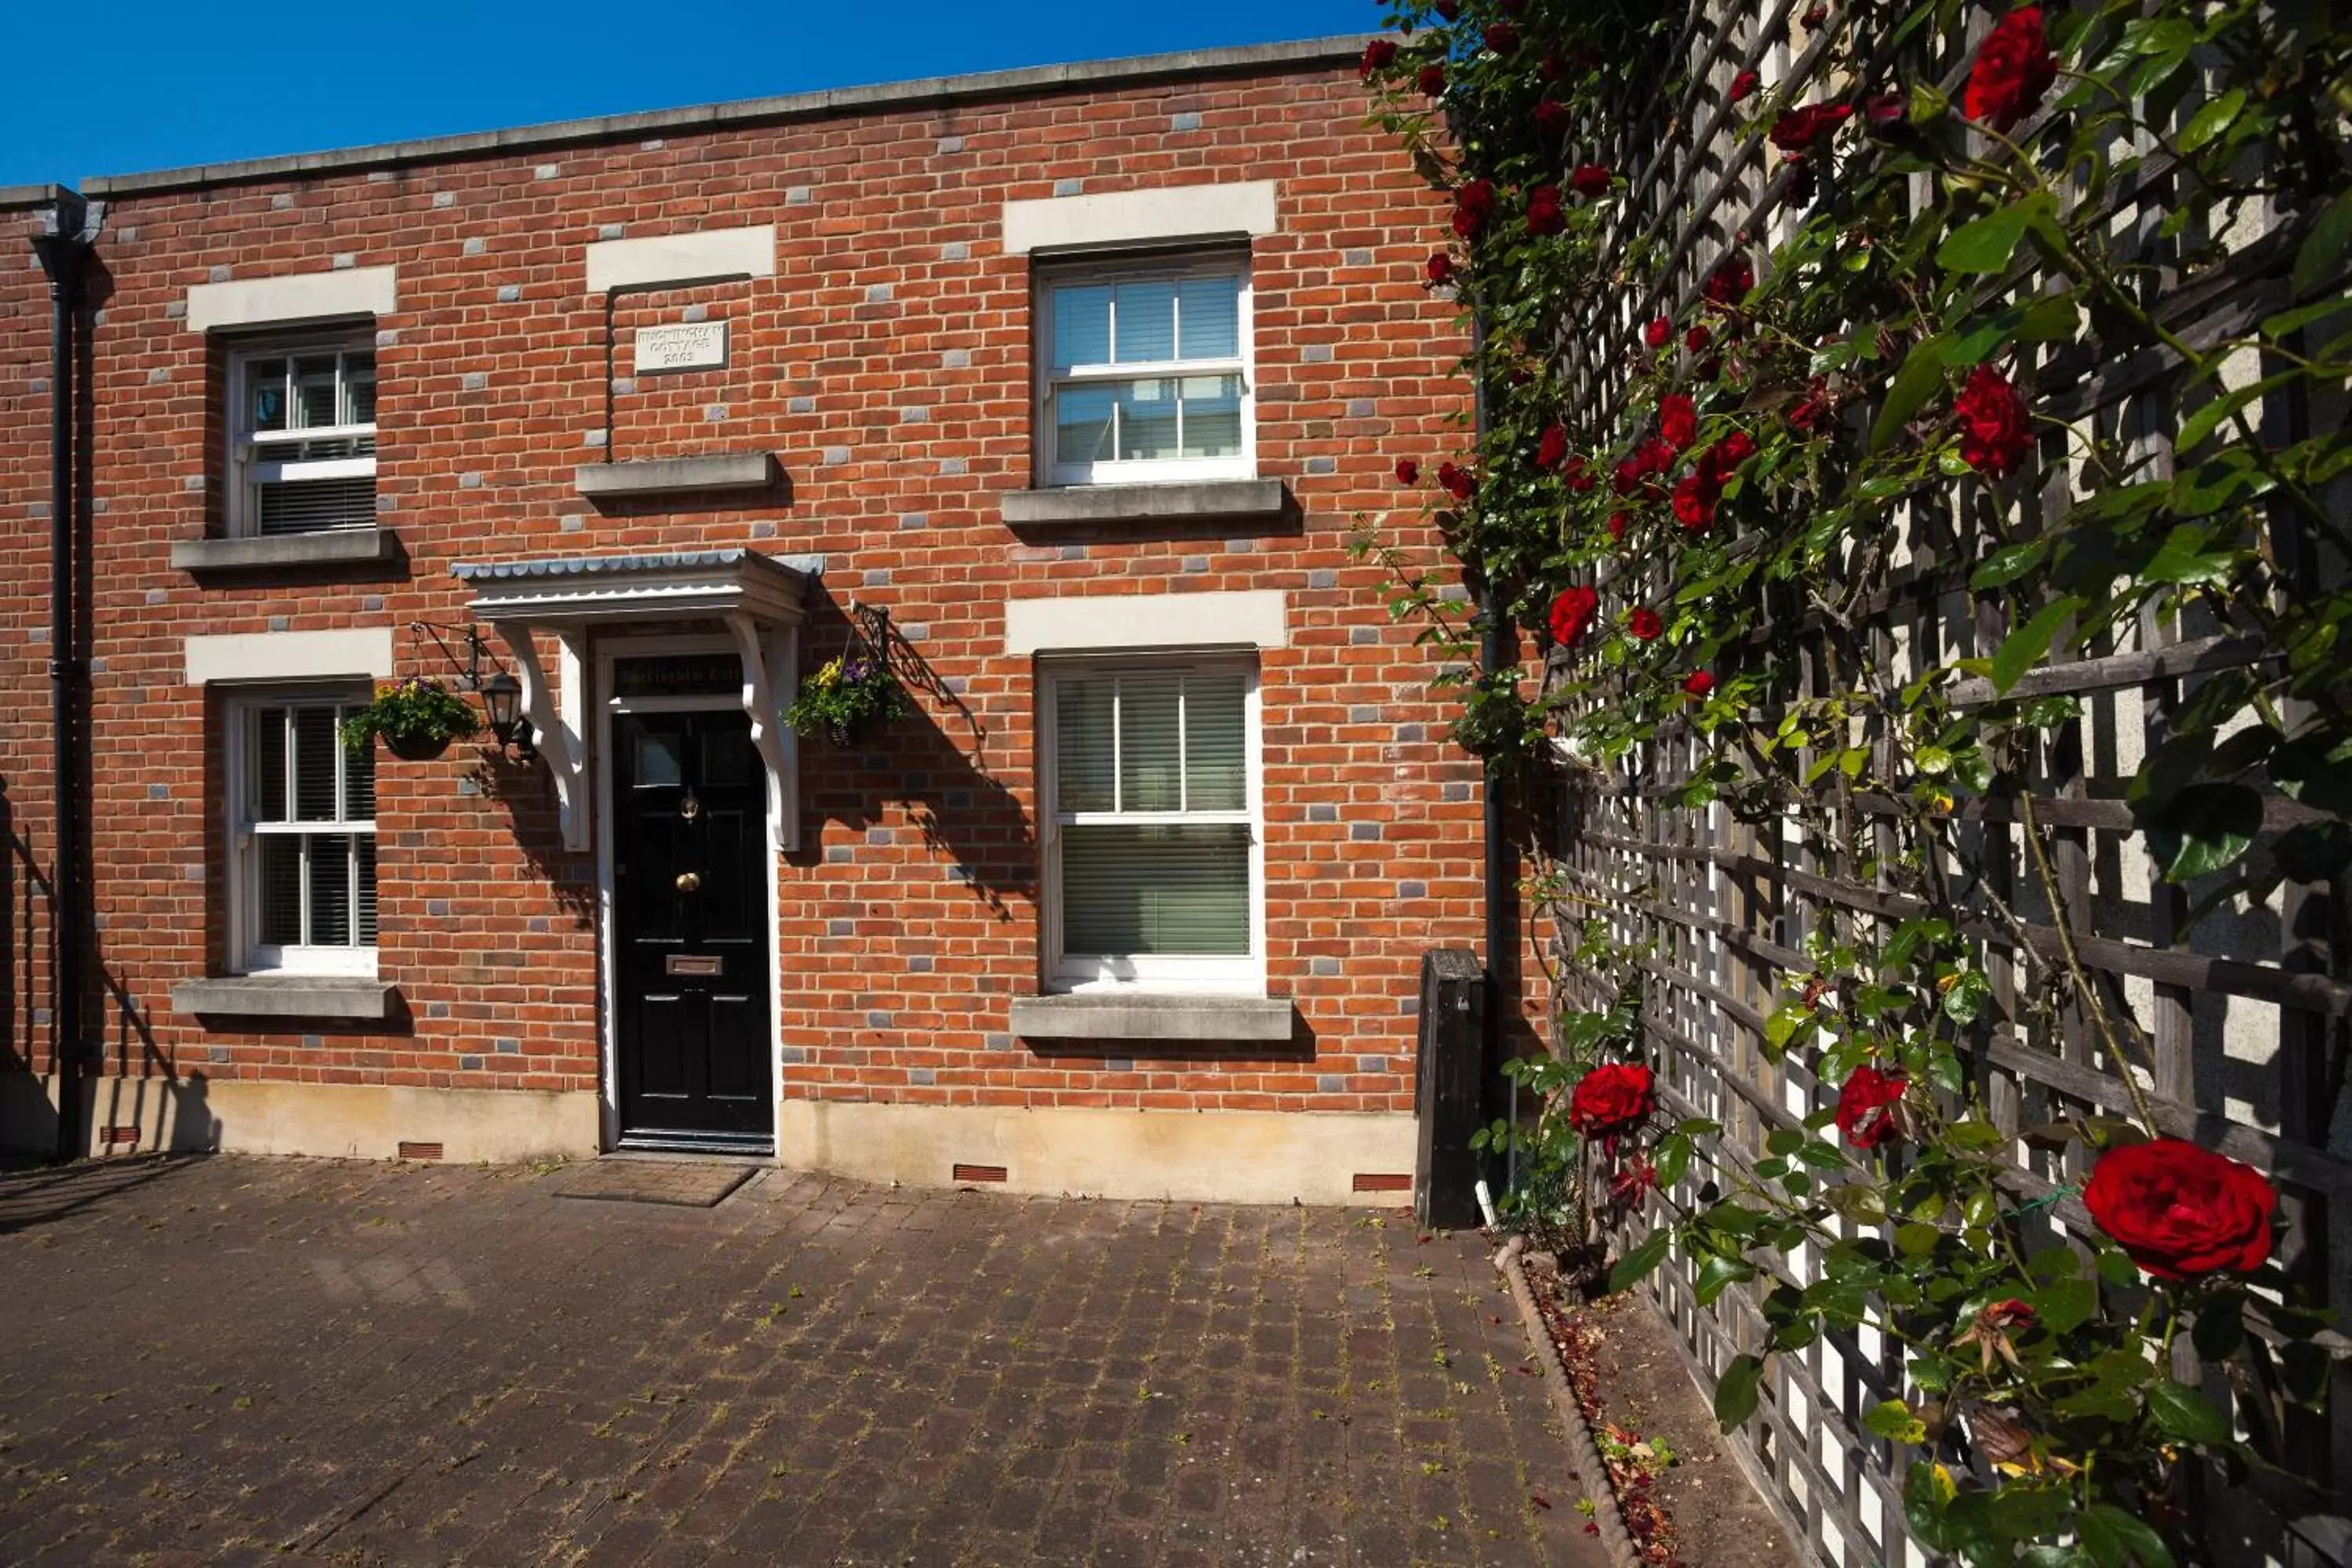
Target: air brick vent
x=1383, y=1181
x=409, y=1151
x=980, y=1173
x=110, y=1136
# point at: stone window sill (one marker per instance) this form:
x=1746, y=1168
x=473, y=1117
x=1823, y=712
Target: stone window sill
x=286, y=996
x=1234, y=498
x=672, y=476
x=1152, y=1016
x=287, y=552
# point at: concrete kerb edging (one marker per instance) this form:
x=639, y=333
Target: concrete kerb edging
x=1583, y=1453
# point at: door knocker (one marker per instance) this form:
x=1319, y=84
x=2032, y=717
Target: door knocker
x=689, y=808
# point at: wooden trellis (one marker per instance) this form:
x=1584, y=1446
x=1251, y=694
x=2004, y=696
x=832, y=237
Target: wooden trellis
x=2250, y=1011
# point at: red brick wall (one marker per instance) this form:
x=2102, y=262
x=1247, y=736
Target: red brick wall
x=486, y=924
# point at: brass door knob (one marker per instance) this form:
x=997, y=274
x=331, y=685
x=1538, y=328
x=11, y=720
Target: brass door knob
x=688, y=882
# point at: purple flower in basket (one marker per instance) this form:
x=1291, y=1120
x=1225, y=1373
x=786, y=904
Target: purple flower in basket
x=859, y=671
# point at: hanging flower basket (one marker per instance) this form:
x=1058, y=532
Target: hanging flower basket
x=846, y=698
x=416, y=718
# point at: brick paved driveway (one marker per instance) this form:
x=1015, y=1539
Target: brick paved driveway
x=275, y=1361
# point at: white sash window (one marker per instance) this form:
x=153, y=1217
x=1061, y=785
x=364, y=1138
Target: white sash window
x=301, y=835
x=302, y=438
x=1146, y=373
x=1154, y=862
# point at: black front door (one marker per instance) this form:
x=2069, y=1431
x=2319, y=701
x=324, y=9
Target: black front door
x=690, y=856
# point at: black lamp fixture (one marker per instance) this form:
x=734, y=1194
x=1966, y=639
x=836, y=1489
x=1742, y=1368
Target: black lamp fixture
x=502, y=701
x=501, y=692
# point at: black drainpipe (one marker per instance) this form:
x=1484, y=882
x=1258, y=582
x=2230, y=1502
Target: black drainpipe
x=1498, y=642
x=63, y=248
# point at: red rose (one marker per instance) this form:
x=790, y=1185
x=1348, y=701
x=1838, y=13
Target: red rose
x=1742, y=85
x=1643, y=625
x=1552, y=68
x=1590, y=180
x=1449, y=9
x=1459, y=483
x=1698, y=683
x=1544, y=215
x=1731, y=451
x=2010, y=1314
x=1502, y=38
x=1886, y=109
x=1431, y=79
x=1729, y=282
x=1806, y=414
x=1408, y=472
x=1579, y=478
x=1695, y=500
x=2013, y=69
x=1618, y=522
x=1995, y=433
x=1551, y=449
x=1677, y=420
x=1868, y=1107
x=1440, y=268
x=1616, y=1097
x=1656, y=333
x=1801, y=128
x=1629, y=1180
x=1698, y=338
x=1473, y=203
x=1551, y=118
x=1378, y=55
x=1815, y=16
x=2182, y=1212
x=1571, y=613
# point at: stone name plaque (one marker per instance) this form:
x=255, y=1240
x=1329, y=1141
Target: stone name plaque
x=690, y=345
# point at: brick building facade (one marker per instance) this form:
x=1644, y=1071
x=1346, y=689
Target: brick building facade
x=669, y=406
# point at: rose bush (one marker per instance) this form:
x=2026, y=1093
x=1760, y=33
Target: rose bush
x=1915, y=319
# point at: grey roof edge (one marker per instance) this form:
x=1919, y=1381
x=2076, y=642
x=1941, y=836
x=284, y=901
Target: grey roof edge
x=13, y=197
x=644, y=561
x=1022, y=81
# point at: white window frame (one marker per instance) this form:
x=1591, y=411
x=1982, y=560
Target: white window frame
x=1238, y=974
x=248, y=953
x=1066, y=271
x=250, y=463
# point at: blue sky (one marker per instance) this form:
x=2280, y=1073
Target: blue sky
x=145, y=84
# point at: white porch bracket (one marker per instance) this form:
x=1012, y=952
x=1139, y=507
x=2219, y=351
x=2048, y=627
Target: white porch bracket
x=758, y=598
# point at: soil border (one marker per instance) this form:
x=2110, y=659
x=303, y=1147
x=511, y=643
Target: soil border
x=1583, y=1453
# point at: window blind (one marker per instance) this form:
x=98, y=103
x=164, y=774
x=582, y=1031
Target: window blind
x=1157, y=743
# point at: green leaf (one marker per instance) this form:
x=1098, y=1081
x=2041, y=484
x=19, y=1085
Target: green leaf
x=2208, y=418
x=2183, y=558
x=2065, y=1305
x=1895, y=1422
x=1718, y=1274
x=1636, y=1265
x=2008, y=563
x=1736, y=1391
x=2211, y=121
x=2204, y=829
x=1916, y=1240
x=1920, y=378
x=1784, y=1141
x=2030, y=644
x=2323, y=248
x=2023, y=1513
x=2115, y=1538
x=2287, y=322
x=1985, y=243
x=2221, y=1328
x=2184, y=1413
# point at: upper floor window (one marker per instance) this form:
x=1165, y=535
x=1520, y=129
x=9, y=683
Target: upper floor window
x=302, y=836
x=1146, y=371
x=302, y=438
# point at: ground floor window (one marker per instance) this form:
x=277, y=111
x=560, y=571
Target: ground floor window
x=1153, y=870
x=301, y=834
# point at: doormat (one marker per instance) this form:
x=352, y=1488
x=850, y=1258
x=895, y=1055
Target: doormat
x=682, y=1183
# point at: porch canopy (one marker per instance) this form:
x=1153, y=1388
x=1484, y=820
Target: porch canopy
x=759, y=599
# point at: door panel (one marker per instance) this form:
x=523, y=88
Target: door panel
x=690, y=852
